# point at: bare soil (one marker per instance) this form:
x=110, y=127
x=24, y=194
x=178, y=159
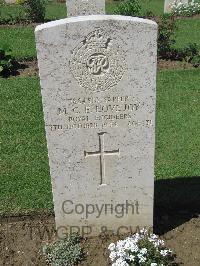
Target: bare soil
x=22, y=238
x=168, y=64
x=20, y=24
x=27, y=68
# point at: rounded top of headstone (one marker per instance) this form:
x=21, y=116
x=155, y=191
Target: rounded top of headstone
x=55, y=23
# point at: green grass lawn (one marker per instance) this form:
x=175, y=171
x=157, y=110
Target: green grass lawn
x=155, y=6
x=178, y=142
x=54, y=11
x=25, y=181
x=188, y=31
x=11, y=12
x=21, y=40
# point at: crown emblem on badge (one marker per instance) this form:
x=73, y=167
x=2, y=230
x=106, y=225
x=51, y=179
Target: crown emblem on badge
x=97, y=62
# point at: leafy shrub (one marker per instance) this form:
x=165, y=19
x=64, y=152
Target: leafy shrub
x=166, y=41
x=191, y=50
x=129, y=8
x=7, y=62
x=186, y=53
x=141, y=249
x=187, y=9
x=191, y=54
x=166, y=35
x=64, y=252
x=35, y=10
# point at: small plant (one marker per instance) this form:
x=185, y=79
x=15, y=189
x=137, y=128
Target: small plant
x=190, y=51
x=7, y=62
x=129, y=8
x=166, y=35
x=35, y=9
x=195, y=61
x=65, y=252
x=141, y=249
x=186, y=53
x=185, y=9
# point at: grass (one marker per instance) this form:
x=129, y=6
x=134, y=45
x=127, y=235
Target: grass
x=187, y=32
x=21, y=40
x=25, y=180
x=178, y=101
x=54, y=11
x=11, y=12
x=155, y=6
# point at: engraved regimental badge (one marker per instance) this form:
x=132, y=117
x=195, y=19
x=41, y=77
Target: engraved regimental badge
x=98, y=63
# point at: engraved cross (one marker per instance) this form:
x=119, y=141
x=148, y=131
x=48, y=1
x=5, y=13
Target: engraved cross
x=101, y=153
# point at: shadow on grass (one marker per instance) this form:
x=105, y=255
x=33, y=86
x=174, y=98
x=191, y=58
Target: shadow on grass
x=176, y=202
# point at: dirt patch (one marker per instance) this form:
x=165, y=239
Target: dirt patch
x=185, y=241
x=21, y=241
x=27, y=68
x=168, y=64
x=20, y=24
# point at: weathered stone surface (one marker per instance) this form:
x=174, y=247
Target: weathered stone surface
x=85, y=7
x=98, y=80
x=168, y=4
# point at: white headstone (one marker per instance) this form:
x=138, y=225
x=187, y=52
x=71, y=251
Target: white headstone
x=98, y=80
x=169, y=3
x=85, y=7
